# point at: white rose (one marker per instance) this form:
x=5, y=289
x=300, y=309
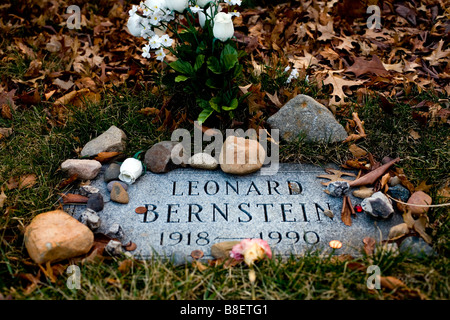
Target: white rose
x=134, y=25
x=223, y=26
x=210, y=12
x=177, y=5
x=130, y=170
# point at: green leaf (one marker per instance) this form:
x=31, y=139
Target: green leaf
x=181, y=78
x=199, y=62
x=202, y=103
x=243, y=97
x=210, y=84
x=237, y=72
x=228, y=57
x=204, y=115
x=214, y=103
x=201, y=47
x=234, y=104
x=182, y=67
x=214, y=65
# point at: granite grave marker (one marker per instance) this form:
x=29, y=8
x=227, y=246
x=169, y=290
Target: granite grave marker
x=189, y=209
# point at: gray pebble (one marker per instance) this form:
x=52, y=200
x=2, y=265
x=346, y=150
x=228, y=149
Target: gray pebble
x=338, y=188
x=417, y=247
x=114, y=248
x=111, y=183
x=378, y=206
x=112, y=172
x=95, y=202
x=88, y=190
x=90, y=218
x=399, y=192
x=115, y=231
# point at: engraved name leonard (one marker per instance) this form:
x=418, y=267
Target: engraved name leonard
x=244, y=212
x=268, y=201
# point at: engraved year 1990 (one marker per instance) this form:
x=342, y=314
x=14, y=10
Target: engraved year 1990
x=203, y=238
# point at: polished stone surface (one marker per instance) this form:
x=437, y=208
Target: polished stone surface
x=191, y=209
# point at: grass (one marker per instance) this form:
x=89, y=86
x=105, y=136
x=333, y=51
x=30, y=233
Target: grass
x=37, y=147
x=311, y=277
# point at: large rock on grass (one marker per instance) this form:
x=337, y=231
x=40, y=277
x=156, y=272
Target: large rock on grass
x=304, y=115
x=85, y=169
x=112, y=140
x=55, y=235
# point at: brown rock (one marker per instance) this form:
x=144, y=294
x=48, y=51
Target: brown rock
x=112, y=140
x=119, y=194
x=241, y=156
x=421, y=198
x=164, y=156
x=55, y=235
x=85, y=169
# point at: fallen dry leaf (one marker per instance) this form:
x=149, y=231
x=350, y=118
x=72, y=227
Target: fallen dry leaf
x=401, y=290
x=68, y=181
x=360, y=129
x=372, y=176
x=369, y=245
x=423, y=186
x=335, y=175
x=420, y=225
x=391, y=283
x=125, y=266
x=74, y=198
x=338, y=85
x=346, y=212
x=356, y=151
x=201, y=267
x=414, y=134
x=408, y=218
x=274, y=99
x=2, y=198
x=69, y=97
x=6, y=111
x=5, y=132
x=438, y=54
x=25, y=181
x=362, y=66
x=384, y=182
x=106, y=156
x=398, y=231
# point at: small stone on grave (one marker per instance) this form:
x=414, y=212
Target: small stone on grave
x=118, y=194
x=85, y=169
x=112, y=140
x=95, y=202
x=112, y=172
